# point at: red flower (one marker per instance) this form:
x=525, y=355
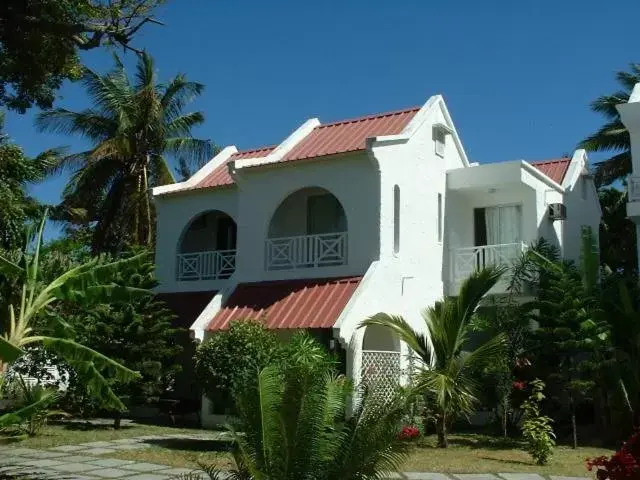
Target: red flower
x=408, y=433
x=623, y=464
x=519, y=385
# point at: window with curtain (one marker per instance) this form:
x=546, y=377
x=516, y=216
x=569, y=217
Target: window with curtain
x=503, y=224
x=439, y=217
x=396, y=219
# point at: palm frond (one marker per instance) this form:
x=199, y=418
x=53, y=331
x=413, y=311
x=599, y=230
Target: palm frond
x=190, y=148
x=9, y=352
x=399, y=326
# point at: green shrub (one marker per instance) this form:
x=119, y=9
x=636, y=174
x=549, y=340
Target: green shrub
x=234, y=357
x=536, y=428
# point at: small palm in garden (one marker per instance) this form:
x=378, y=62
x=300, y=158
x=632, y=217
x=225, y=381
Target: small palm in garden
x=293, y=423
x=447, y=380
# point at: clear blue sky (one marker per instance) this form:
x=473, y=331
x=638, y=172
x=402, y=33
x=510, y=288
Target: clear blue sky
x=517, y=75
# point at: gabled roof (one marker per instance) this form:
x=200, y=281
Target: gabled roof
x=349, y=135
x=554, y=169
x=330, y=139
x=220, y=176
x=306, y=303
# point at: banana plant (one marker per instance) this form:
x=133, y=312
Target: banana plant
x=89, y=283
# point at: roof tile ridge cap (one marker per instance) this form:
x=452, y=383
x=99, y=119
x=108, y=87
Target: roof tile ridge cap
x=554, y=160
x=369, y=117
x=257, y=149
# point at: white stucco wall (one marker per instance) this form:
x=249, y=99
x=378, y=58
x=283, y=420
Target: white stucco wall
x=352, y=179
x=174, y=214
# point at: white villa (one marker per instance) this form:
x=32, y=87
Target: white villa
x=346, y=219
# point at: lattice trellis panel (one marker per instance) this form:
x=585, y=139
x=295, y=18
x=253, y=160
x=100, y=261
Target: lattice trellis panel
x=381, y=372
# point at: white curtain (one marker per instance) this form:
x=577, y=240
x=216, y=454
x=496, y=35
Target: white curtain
x=503, y=224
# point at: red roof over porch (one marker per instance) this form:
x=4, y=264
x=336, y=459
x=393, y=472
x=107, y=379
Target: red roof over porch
x=306, y=303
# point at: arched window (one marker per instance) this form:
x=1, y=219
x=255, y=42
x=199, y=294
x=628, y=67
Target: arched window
x=396, y=219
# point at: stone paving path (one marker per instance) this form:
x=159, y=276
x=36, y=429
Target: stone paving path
x=84, y=462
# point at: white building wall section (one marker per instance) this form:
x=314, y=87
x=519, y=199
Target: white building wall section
x=174, y=213
x=352, y=179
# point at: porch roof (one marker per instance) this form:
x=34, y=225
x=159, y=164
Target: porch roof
x=305, y=303
x=186, y=305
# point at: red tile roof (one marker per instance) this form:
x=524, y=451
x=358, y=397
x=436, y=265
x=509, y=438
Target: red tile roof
x=308, y=303
x=220, y=176
x=554, y=169
x=186, y=305
x=349, y=135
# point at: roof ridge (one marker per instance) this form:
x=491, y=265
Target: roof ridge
x=257, y=149
x=554, y=160
x=369, y=117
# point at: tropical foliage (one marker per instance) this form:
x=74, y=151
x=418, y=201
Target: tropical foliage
x=293, y=423
x=32, y=323
x=450, y=363
x=40, y=42
x=16, y=171
x=613, y=137
x=536, y=427
x=133, y=125
x=617, y=232
x=231, y=358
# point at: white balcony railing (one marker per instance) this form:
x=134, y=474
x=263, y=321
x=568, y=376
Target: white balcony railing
x=306, y=251
x=469, y=259
x=211, y=265
x=634, y=189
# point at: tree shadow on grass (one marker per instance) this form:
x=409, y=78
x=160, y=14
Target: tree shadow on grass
x=508, y=462
x=488, y=443
x=193, y=445
x=88, y=427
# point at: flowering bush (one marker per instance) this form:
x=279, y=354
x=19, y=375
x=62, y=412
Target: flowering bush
x=409, y=432
x=623, y=464
x=519, y=385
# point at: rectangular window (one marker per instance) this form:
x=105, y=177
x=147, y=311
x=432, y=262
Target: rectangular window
x=439, y=217
x=498, y=225
x=396, y=219
x=583, y=187
x=440, y=141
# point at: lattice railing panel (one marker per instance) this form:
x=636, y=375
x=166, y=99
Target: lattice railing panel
x=381, y=372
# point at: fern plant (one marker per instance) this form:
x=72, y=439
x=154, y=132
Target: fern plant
x=536, y=428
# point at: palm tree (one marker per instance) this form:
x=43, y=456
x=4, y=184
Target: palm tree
x=293, y=423
x=133, y=126
x=613, y=136
x=447, y=379
x=32, y=324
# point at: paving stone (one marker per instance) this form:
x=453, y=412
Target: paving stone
x=131, y=446
x=68, y=448
x=426, y=476
x=78, y=458
x=74, y=467
x=552, y=477
x=476, y=476
x=7, y=461
x=97, y=444
x=175, y=471
x=393, y=475
x=96, y=451
x=521, y=476
x=127, y=440
x=150, y=476
x=109, y=473
x=46, y=454
x=22, y=452
x=110, y=462
x=41, y=463
x=152, y=437
x=144, y=467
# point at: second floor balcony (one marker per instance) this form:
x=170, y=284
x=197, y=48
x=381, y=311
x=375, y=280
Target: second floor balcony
x=308, y=230
x=207, y=249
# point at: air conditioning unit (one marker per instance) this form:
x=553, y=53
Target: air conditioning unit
x=557, y=211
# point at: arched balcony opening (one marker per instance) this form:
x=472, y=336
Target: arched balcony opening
x=207, y=248
x=307, y=230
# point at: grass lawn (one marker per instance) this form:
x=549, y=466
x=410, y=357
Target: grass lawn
x=468, y=453
x=473, y=453
x=68, y=434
